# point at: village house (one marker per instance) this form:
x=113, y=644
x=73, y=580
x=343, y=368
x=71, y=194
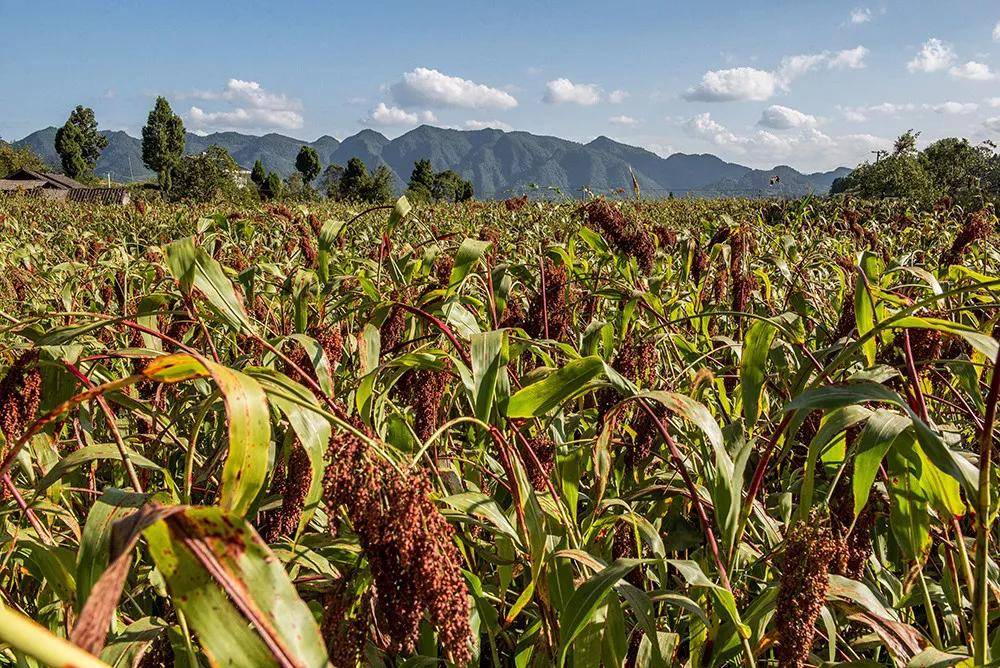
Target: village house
x=59, y=187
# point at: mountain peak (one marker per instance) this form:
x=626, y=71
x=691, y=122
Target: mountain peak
x=498, y=163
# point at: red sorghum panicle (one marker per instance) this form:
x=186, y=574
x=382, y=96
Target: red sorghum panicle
x=513, y=313
x=632, y=239
x=20, y=395
x=298, y=357
x=307, y=246
x=699, y=264
x=810, y=548
x=978, y=226
x=331, y=340
x=492, y=235
x=721, y=236
x=643, y=444
x=393, y=328
x=637, y=360
x=666, y=236
x=856, y=543
x=545, y=451
x=344, y=633
x=423, y=389
x=267, y=526
x=625, y=546
x=515, y=203
x=315, y=224
x=443, y=265
x=926, y=345
x=720, y=282
x=554, y=309
x=743, y=282
x=291, y=483
x=414, y=564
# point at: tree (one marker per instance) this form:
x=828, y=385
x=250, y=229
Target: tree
x=906, y=144
x=426, y=186
x=949, y=167
x=964, y=171
x=379, y=189
x=899, y=174
x=307, y=162
x=330, y=180
x=296, y=188
x=273, y=187
x=354, y=180
x=257, y=175
x=162, y=142
x=13, y=159
x=79, y=144
x=205, y=177
x=421, y=185
x=451, y=187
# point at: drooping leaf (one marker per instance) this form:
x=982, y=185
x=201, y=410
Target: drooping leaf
x=541, y=397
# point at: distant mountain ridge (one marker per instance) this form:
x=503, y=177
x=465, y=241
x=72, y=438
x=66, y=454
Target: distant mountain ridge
x=498, y=163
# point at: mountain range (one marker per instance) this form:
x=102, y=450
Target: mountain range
x=498, y=163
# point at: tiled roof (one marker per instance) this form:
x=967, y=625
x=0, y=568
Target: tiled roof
x=27, y=184
x=58, y=180
x=99, y=195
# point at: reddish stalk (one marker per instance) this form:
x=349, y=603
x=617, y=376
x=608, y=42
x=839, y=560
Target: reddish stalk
x=445, y=329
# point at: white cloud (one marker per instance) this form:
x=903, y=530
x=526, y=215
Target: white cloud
x=851, y=59
x=564, y=90
x=786, y=118
x=618, y=96
x=804, y=145
x=385, y=115
x=892, y=107
x=425, y=87
x=861, y=15
x=992, y=123
x=704, y=126
x=996, y=32
x=482, y=125
x=993, y=102
x=738, y=83
x=749, y=83
x=251, y=107
x=793, y=67
x=973, y=71
x=854, y=114
x=623, y=120
x=953, y=107
x=934, y=56
x=244, y=118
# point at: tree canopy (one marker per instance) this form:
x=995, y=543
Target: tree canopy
x=79, y=144
x=162, y=142
x=13, y=159
x=425, y=185
x=207, y=176
x=307, y=163
x=949, y=167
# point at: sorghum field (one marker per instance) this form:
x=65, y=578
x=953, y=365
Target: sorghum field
x=611, y=433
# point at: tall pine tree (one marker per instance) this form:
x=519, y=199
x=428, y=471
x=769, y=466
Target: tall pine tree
x=163, y=142
x=78, y=143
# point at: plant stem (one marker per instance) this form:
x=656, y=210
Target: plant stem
x=980, y=595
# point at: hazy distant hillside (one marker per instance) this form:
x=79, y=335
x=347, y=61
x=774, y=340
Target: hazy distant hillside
x=498, y=163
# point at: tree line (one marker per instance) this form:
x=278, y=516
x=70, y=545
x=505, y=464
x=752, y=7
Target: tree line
x=951, y=168
x=214, y=174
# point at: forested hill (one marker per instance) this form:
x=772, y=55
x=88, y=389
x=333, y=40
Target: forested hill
x=498, y=163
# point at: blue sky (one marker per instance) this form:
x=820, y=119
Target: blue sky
x=811, y=84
